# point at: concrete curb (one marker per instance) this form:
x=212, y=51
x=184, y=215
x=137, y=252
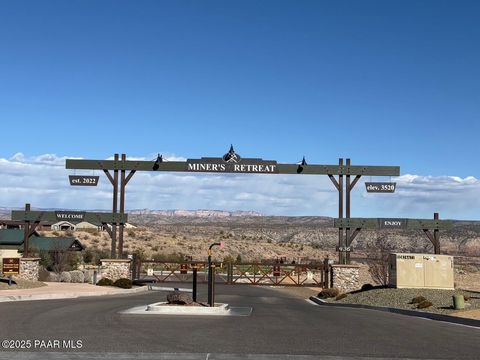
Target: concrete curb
x=157, y=309
x=431, y=316
x=71, y=295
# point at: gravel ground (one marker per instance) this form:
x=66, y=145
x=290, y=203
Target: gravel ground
x=21, y=284
x=400, y=298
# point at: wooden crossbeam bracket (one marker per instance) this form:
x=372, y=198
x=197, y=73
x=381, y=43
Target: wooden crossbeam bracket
x=353, y=236
x=354, y=182
x=109, y=176
x=334, y=181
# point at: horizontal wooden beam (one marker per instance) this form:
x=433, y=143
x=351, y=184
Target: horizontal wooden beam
x=183, y=166
x=393, y=223
x=71, y=216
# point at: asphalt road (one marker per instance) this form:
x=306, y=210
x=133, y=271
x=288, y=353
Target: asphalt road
x=281, y=323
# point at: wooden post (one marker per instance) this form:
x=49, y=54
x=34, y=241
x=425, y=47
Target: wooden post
x=115, y=202
x=26, y=234
x=122, y=208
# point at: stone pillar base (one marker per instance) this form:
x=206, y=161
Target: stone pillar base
x=29, y=268
x=115, y=269
x=345, y=277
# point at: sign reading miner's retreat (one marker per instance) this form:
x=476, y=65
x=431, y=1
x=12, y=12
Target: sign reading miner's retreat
x=232, y=162
x=11, y=266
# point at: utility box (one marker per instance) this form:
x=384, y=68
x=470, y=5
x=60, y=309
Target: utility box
x=428, y=271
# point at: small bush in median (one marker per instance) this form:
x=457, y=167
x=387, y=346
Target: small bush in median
x=328, y=293
x=366, y=287
x=123, y=283
x=105, y=282
x=424, y=304
x=418, y=300
x=341, y=296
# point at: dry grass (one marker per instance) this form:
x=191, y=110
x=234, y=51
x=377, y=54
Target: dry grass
x=22, y=284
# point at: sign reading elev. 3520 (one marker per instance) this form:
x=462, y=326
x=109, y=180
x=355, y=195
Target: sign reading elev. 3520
x=380, y=187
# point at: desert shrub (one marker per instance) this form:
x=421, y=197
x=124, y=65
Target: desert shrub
x=77, y=276
x=65, y=277
x=131, y=233
x=378, y=252
x=328, y=293
x=424, y=304
x=93, y=256
x=105, y=282
x=418, y=300
x=53, y=277
x=45, y=258
x=123, y=283
x=341, y=296
x=43, y=274
x=366, y=287
x=87, y=256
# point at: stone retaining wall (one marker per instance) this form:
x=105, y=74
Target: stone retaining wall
x=29, y=268
x=345, y=277
x=115, y=269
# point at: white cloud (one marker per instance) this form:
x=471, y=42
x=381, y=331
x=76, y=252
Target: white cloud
x=43, y=181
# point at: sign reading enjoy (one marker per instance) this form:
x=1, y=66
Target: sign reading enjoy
x=70, y=215
x=393, y=223
x=231, y=162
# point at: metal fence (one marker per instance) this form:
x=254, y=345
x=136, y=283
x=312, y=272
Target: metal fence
x=313, y=274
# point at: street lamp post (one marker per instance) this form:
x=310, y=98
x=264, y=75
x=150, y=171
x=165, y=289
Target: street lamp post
x=211, y=275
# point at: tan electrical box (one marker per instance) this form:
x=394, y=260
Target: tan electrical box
x=421, y=271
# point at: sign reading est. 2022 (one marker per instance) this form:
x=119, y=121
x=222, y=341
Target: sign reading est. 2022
x=83, y=180
x=231, y=162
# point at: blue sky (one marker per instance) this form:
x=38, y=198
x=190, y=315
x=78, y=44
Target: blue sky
x=381, y=82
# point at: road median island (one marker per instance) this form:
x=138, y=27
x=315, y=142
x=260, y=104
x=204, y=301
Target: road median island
x=427, y=303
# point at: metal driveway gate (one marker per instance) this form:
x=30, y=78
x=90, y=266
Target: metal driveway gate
x=314, y=274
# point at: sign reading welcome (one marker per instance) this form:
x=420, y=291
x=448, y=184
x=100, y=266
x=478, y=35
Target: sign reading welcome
x=76, y=216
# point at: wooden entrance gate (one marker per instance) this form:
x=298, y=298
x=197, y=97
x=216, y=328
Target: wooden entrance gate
x=276, y=274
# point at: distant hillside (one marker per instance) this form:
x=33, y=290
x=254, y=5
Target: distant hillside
x=193, y=213
x=201, y=213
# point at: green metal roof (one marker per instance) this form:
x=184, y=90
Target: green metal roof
x=44, y=243
x=13, y=236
